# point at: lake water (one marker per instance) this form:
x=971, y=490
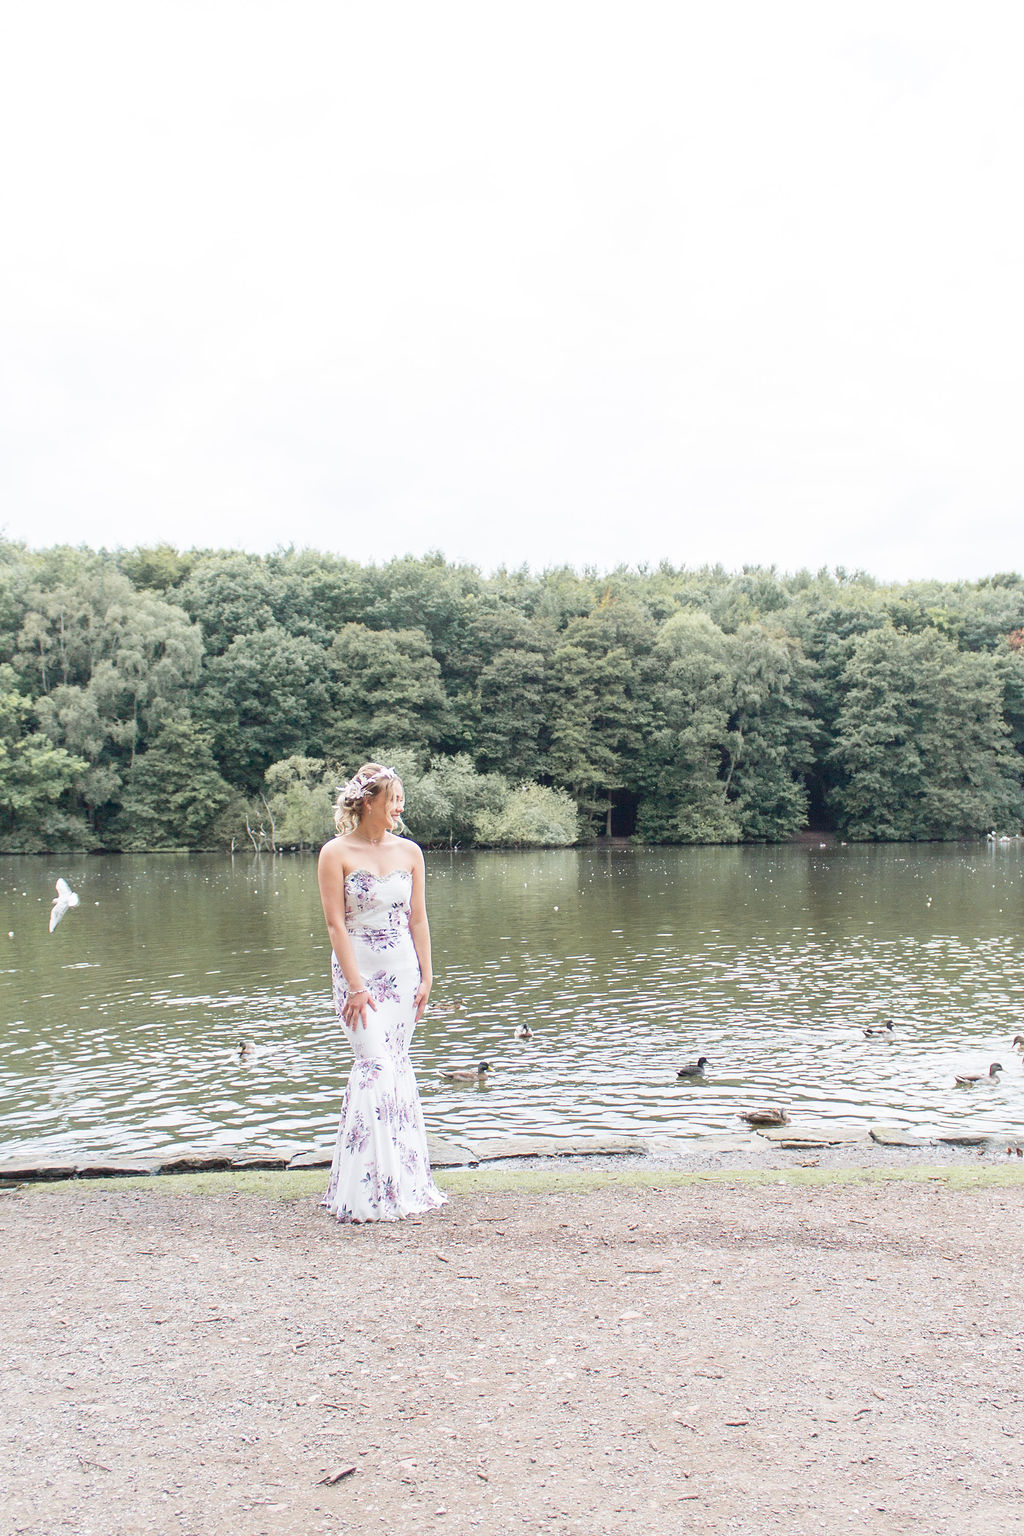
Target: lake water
x=120, y=1029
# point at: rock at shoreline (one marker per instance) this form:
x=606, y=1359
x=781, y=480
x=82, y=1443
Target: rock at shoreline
x=450, y=1154
x=18, y=1170
x=320, y=1157
x=896, y=1136
x=495, y=1148
x=808, y=1137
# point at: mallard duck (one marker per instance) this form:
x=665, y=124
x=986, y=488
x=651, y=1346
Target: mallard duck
x=1018, y=1042
x=452, y=1005
x=766, y=1115
x=971, y=1079
x=879, y=1031
x=693, y=1068
x=247, y=1050
x=475, y=1074
x=524, y=1032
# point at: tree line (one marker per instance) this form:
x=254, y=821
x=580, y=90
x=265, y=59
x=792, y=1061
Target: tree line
x=154, y=698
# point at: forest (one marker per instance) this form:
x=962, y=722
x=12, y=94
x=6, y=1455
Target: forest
x=158, y=699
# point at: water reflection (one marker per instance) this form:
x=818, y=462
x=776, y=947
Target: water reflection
x=124, y=1023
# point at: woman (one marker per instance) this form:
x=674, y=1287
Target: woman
x=372, y=889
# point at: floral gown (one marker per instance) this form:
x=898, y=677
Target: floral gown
x=381, y=1169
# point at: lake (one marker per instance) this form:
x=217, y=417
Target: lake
x=121, y=1028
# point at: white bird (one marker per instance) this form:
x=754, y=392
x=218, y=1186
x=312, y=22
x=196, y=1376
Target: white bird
x=64, y=899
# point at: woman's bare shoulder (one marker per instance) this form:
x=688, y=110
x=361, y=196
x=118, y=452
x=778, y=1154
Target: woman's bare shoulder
x=332, y=854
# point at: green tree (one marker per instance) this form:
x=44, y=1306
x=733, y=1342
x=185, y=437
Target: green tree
x=922, y=749
x=771, y=735
x=385, y=687
x=598, y=703
x=265, y=699
x=37, y=781
x=177, y=794
x=299, y=801
x=444, y=804
x=532, y=816
x=691, y=740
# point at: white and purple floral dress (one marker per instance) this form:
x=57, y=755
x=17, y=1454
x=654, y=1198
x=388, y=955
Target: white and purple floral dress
x=381, y=1168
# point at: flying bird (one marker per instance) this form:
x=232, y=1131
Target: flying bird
x=62, y=902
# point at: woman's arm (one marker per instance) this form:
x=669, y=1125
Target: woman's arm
x=330, y=873
x=420, y=930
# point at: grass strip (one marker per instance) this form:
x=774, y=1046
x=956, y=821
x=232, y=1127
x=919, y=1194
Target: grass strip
x=308, y=1184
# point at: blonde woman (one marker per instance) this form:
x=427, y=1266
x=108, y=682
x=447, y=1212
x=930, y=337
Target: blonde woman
x=372, y=889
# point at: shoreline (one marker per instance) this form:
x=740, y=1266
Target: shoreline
x=877, y=1152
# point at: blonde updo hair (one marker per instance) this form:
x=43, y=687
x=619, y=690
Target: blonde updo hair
x=366, y=786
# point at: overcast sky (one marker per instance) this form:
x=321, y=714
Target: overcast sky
x=524, y=283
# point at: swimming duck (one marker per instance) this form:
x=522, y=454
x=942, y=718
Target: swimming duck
x=475, y=1074
x=879, y=1031
x=1018, y=1042
x=524, y=1032
x=247, y=1050
x=455, y=1005
x=693, y=1068
x=766, y=1115
x=970, y=1079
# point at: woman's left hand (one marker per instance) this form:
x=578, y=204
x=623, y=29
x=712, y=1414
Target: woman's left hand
x=422, y=993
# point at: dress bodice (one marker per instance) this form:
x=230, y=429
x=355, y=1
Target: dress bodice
x=377, y=906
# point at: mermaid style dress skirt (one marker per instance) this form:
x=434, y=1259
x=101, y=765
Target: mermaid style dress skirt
x=381, y=1168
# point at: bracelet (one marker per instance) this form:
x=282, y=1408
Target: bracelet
x=359, y=992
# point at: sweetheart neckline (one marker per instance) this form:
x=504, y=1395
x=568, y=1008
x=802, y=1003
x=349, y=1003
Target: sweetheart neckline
x=390, y=875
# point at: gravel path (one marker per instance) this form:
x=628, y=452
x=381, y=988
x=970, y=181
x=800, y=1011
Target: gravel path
x=715, y=1358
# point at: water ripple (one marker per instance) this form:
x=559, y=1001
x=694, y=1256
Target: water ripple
x=770, y=962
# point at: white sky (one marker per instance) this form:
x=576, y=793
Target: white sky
x=532, y=283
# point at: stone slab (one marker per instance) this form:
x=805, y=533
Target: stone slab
x=196, y=1160
x=965, y=1139
x=445, y=1153
x=496, y=1148
x=256, y=1160
x=803, y=1136
x=22, y=1170
x=896, y=1136
x=117, y=1168
x=320, y=1157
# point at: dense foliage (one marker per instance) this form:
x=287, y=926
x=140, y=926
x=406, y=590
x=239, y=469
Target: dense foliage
x=155, y=699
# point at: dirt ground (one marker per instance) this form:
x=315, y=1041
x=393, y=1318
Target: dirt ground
x=719, y=1357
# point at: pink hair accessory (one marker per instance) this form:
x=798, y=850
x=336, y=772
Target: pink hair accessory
x=352, y=792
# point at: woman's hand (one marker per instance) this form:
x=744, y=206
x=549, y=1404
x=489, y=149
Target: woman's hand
x=354, y=1008
x=422, y=993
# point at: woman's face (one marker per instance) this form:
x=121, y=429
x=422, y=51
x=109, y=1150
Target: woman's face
x=396, y=805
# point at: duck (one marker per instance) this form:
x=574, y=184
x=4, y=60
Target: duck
x=765, y=1115
x=693, y=1068
x=879, y=1031
x=453, y=1005
x=971, y=1079
x=247, y=1050
x=524, y=1032
x=477, y=1074
x=1018, y=1042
